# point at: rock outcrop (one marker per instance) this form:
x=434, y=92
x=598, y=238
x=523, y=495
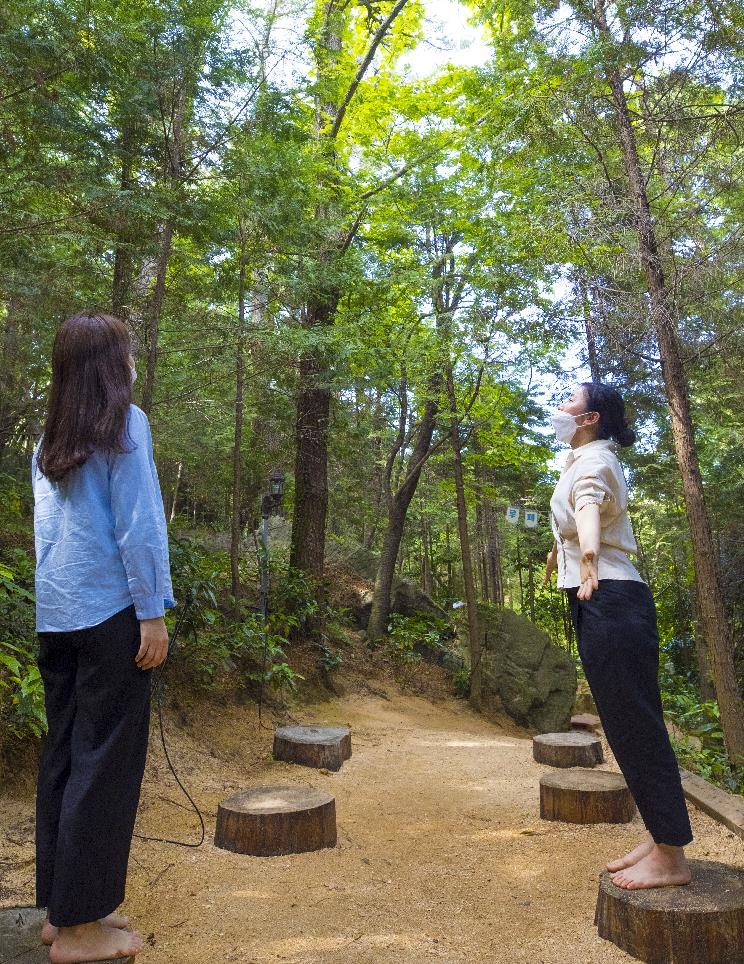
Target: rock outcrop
x=524, y=672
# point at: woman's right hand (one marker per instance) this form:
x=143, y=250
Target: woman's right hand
x=153, y=643
x=588, y=575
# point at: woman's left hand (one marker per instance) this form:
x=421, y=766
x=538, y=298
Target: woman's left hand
x=588, y=575
x=153, y=643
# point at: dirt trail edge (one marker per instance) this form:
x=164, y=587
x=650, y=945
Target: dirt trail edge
x=441, y=853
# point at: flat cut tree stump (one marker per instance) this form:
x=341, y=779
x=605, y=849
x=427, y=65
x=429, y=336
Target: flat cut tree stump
x=313, y=746
x=702, y=923
x=572, y=749
x=20, y=931
x=585, y=796
x=267, y=821
x=586, y=721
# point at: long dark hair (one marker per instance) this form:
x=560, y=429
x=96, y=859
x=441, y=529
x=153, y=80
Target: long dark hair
x=90, y=393
x=608, y=402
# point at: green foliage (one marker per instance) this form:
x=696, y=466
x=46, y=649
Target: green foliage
x=22, y=711
x=461, y=682
x=701, y=747
x=198, y=575
x=294, y=599
x=15, y=501
x=263, y=654
x=410, y=638
x=248, y=649
x=329, y=659
x=214, y=643
x=504, y=183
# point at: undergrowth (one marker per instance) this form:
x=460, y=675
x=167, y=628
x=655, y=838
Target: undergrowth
x=701, y=746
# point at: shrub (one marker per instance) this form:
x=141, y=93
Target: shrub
x=22, y=712
x=702, y=748
x=417, y=637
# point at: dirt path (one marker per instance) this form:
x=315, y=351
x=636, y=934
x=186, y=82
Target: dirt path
x=441, y=853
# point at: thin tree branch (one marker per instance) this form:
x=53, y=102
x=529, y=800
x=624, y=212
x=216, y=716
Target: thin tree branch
x=359, y=76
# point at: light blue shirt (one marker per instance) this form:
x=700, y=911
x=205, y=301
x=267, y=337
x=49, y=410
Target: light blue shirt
x=101, y=539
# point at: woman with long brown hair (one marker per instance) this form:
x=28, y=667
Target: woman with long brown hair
x=102, y=585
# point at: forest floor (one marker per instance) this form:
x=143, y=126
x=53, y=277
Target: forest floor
x=441, y=852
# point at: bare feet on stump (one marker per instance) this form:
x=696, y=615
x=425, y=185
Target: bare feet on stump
x=49, y=931
x=93, y=942
x=638, y=853
x=663, y=866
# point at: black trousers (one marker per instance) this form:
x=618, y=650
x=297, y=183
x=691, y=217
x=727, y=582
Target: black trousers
x=619, y=649
x=91, y=768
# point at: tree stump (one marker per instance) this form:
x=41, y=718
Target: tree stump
x=702, y=923
x=313, y=746
x=571, y=749
x=267, y=821
x=586, y=721
x=585, y=796
x=20, y=928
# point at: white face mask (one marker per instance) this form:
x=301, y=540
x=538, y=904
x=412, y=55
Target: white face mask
x=564, y=425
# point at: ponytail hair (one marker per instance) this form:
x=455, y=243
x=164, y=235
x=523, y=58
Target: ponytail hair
x=89, y=395
x=608, y=402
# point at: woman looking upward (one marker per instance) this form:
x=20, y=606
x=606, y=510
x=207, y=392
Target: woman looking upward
x=615, y=620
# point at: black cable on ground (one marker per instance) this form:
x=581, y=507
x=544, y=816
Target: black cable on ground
x=158, y=689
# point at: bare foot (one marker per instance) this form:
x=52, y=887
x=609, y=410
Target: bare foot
x=633, y=857
x=663, y=866
x=93, y=942
x=49, y=931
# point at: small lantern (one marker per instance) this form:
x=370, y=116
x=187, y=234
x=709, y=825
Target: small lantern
x=276, y=483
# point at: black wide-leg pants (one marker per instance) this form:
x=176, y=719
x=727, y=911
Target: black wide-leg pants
x=619, y=649
x=91, y=768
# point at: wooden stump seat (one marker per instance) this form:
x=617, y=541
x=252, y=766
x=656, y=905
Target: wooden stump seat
x=267, y=821
x=313, y=746
x=585, y=796
x=586, y=721
x=573, y=749
x=20, y=928
x=702, y=923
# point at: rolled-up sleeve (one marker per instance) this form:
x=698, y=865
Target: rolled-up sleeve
x=139, y=521
x=593, y=487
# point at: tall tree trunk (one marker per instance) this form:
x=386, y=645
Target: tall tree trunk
x=589, y=330
x=176, y=486
x=307, y=550
x=493, y=556
x=121, y=291
x=397, y=509
x=175, y=159
x=427, y=580
x=531, y=586
x=236, y=526
x=122, y=283
x=465, y=553
x=314, y=396
x=154, y=315
x=715, y=624
x=480, y=540
x=493, y=589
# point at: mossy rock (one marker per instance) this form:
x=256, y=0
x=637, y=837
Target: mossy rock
x=525, y=672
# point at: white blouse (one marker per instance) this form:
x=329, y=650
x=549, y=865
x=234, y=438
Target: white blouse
x=592, y=474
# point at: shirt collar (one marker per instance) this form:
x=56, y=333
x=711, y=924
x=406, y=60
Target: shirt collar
x=596, y=446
